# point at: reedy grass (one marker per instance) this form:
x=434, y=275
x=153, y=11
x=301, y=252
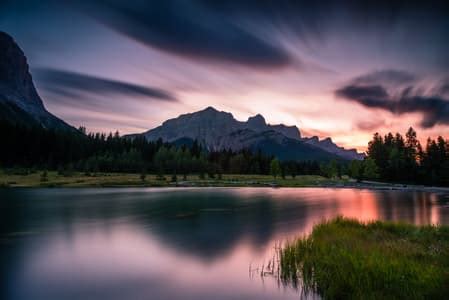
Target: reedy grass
x=347, y=259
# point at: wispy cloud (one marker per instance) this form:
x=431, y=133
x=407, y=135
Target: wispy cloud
x=190, y=29
x=72, y=85
x=397, y=99
x=385, y=77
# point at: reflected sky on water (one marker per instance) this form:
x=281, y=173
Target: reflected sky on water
x=173, y=243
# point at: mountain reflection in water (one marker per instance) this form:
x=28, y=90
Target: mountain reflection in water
x=172, y=243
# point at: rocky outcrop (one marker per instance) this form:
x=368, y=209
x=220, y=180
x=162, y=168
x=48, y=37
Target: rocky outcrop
x=247, y=138
x=329, y=146
x=269, y=142
x=256, y=123
x=210, y=125
x=205, y=126
x=289, y=131
x=220, y=130
x=19, y=100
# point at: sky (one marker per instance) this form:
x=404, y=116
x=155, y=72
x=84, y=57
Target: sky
x=343, y=69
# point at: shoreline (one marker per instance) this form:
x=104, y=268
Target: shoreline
x=179, y=186
x=132, y=180
x=394, y=187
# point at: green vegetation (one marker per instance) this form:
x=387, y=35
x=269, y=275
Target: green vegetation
x=366, y=169
x=346, y=259
x=399, y=159
x=23, y=178
x=391, y=158
x=275, y=167
x=67, y=152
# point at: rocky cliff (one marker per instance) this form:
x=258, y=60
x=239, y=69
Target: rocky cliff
x=220, y=130
x=19, y=100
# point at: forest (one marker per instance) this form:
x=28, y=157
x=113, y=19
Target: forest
x=28, y=148
x=405, y=160
x=389, y=158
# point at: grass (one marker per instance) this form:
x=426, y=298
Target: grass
x=344, y=258
x=79, y=179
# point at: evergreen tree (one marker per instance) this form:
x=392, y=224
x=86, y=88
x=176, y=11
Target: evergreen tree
x=370, y=170
x=355, y=169
x=275, y=167
x=330, y=170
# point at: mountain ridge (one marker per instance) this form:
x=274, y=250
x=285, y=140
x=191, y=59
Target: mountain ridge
x=20, y=103
x=19, y=100
x=218, y=130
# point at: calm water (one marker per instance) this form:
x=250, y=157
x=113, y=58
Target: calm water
x=172, y=243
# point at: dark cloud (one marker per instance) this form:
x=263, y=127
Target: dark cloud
x=444, y=89
x=314, y=14
x=74, y=85
x=362, y=92
x=385, y=77
x=241, y=31
x=189, y=28
x=434, y=108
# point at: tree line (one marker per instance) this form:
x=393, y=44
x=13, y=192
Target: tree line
x=26, y=148
x=392, y=158
x=403, y=159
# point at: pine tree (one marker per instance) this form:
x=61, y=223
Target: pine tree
x=370, y=170
x=275, y=167
x=355, y=169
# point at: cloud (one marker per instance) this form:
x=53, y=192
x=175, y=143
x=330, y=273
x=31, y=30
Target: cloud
x=444, y=89
x=411, y=99
x=248, y=32
x=385, y=77
x=73, y=85
x=370, y=125
x=362, y=92
x=190, y=29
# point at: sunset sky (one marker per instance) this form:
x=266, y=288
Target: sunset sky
x=333, y=68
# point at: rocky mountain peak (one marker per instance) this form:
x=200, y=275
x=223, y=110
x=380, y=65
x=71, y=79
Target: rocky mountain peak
x=257, y=121
x=289, y=131
x=19, y=100
x=314, y=139
x=327, y=141
x=220, y=130
x=210, y=109
x=210, y=113
x=328, y=145
x=15, y=78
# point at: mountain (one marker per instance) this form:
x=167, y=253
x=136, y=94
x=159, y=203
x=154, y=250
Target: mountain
x=329, y=146
x=19, y=100
x=218, y=130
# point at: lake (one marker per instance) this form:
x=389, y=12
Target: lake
x=183, y=243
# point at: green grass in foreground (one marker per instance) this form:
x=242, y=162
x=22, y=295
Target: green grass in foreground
x=79, y=179
x=344, y=258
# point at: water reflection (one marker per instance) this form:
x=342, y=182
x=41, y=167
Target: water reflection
x=172, y=244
